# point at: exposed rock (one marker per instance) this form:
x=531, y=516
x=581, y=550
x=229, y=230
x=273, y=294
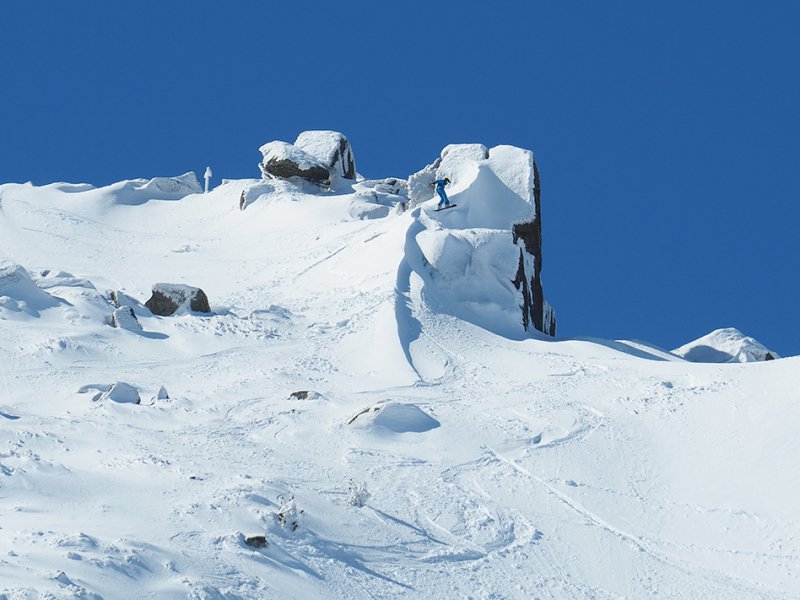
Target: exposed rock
x=330, y=148
x=256, y=541
x=499, y=196
x=305, y=395
x=125, y=318
x=725, y=346
x=170, y=298
x=162, y=394
x=286, y=161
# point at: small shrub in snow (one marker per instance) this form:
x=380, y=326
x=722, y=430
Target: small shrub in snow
x=288, y=515
x=357, y=494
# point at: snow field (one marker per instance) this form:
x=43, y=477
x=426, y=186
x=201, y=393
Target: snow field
x=494, y=467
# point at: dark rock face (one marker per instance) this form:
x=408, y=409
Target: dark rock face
x=535, y=311
x=256, y=541
x=286, y=168
x=167, y=299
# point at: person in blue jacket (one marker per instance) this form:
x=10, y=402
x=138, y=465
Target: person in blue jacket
x=440, y=183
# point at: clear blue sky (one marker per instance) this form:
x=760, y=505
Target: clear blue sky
x=667, y=133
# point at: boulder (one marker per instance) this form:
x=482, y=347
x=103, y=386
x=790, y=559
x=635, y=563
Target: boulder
x=395, y=417
x=330, y=148
x=306, y=395
x=254, y=191
x=287, y=161
x=169, y=298
x=122, y=393
x=256, y=541
x=125, y=318
x=485, y=257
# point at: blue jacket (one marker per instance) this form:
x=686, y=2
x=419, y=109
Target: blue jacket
x=440, y=183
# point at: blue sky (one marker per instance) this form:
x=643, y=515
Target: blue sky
x=667, y=134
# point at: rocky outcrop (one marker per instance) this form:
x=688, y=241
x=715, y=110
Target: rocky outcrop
x=169, y=298
x=330, y=148
x=124, y=318
x=536, y=311
x=256, y=541
x=316, y=156
x=378, y=198
x=287, y=161
x=484, y=258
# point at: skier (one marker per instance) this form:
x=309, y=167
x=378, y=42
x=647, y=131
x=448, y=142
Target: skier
x=444, y=202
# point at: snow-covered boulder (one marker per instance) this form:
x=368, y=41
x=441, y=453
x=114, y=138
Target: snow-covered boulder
x=285, y=161
x=18, y=292
x=484, y=258
x=330, y=148
x=395, y=417
x=122, y=393
x=124, y=318
x=181, y=185
x=170, y=298
x=50, y=279
x=118, y=298
x=254, y=191
x=378, y=198
x=727, y=345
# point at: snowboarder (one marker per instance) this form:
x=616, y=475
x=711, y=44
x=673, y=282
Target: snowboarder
x=440, y=183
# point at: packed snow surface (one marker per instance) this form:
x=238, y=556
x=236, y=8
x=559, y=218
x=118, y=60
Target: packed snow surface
x=333, y=403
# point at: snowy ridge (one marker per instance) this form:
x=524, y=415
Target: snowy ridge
x=361, y=396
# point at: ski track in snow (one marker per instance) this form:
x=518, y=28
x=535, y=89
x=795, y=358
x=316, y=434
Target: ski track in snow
x=558, y=469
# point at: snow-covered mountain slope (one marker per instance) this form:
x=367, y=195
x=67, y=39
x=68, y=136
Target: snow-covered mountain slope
x=431, y=457
x=725, y=346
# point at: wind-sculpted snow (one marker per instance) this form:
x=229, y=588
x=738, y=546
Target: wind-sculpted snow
x=364, y=407
x=19, y=294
